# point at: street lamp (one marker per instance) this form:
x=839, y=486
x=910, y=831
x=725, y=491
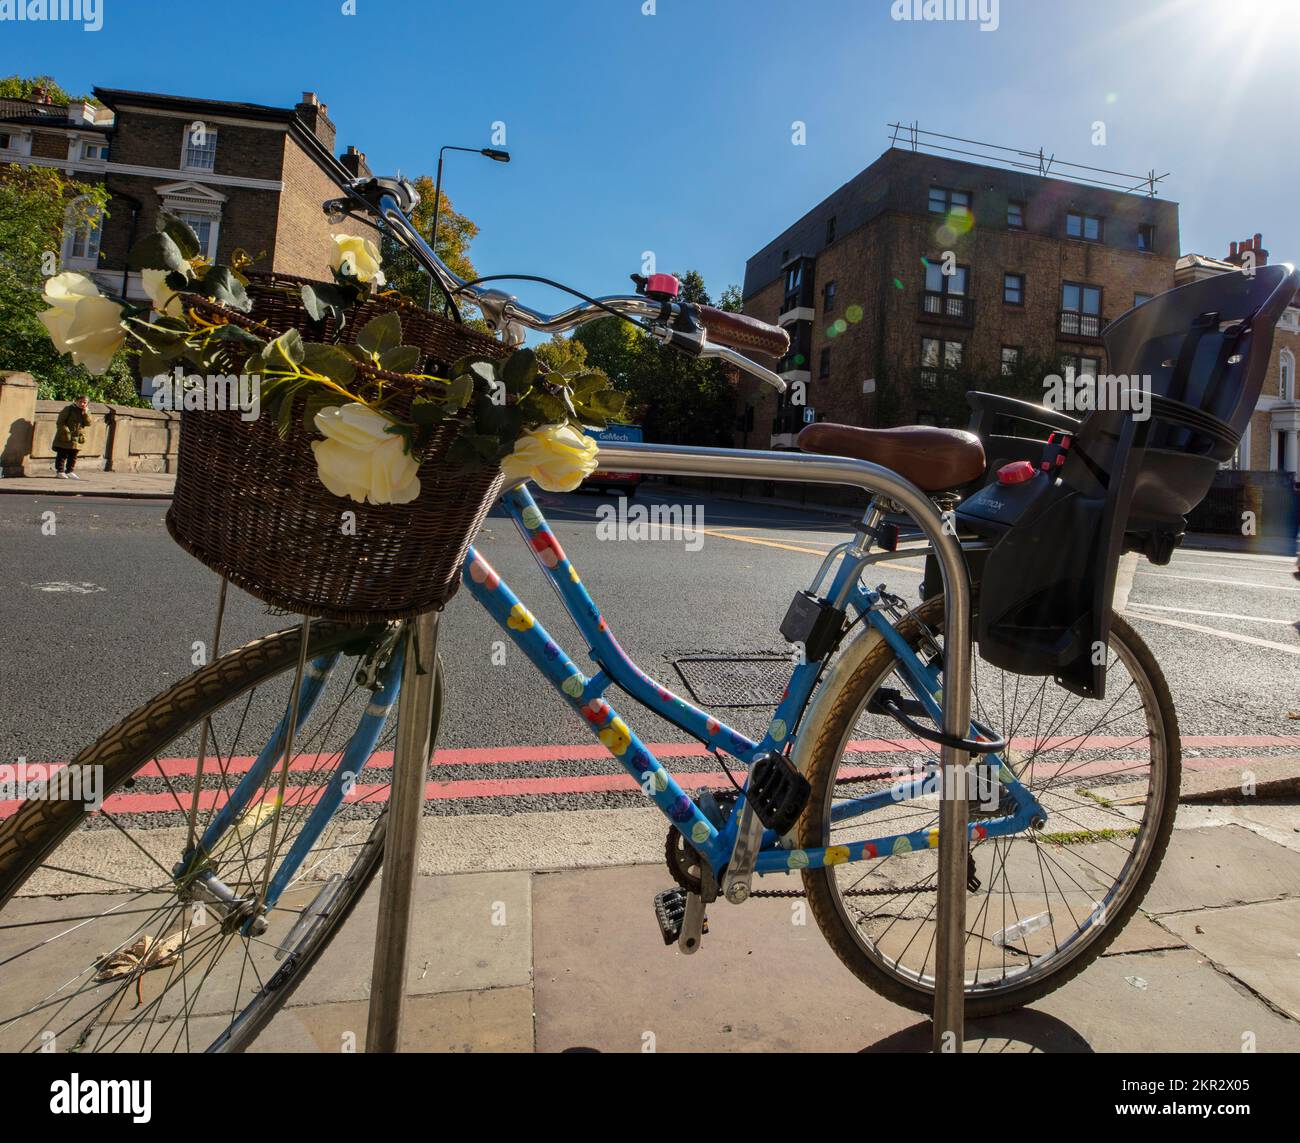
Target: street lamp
x=491, y=153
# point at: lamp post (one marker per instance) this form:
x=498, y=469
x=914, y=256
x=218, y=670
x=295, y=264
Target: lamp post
x=491, y=153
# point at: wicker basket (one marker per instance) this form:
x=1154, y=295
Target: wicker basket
x=250, y=506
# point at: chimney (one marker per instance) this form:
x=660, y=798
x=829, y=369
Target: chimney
x=1237, y=251
x=355, y=162
x=314, y=114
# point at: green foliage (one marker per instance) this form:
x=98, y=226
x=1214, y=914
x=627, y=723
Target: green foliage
x=20, y=87
x=455, y=233
x=34, y=203
x=678, y=400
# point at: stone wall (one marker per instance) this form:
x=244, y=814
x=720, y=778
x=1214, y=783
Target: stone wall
x=120, y=438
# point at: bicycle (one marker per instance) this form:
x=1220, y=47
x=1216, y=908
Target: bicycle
x=198, y=938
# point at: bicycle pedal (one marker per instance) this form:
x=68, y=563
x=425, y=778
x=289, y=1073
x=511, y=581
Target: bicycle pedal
x=670, y=912
x=777, y=791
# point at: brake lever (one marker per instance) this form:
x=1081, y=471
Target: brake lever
x=695, y=344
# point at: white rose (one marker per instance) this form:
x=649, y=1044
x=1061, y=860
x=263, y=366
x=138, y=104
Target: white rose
x=81, y=321
x=555, y=457
x=164, y=298
x=358, y=257
x=358, y=459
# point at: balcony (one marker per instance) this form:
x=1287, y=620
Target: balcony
x=1079, y=326
x=949, y=309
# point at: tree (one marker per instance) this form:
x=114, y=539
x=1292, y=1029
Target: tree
x=34, y=205
x=455, y=233
x=680, y=400
x=565, y=355
x=19, y=87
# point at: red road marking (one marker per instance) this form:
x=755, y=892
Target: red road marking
x=452, y=789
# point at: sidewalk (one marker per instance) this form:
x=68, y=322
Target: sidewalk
x=95, y=482
x=572, y=960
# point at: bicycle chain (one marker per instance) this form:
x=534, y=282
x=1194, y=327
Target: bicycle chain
x=691, y=883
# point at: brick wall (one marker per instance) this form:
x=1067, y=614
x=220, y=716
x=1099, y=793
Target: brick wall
x=302, y=231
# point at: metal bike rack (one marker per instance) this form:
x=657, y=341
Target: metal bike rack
x=401, y=845
x=402, y=838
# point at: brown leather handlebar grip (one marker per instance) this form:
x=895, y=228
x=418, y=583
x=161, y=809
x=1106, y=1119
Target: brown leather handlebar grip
x=741, y=332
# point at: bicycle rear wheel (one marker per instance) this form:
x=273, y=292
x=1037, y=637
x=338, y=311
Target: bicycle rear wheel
x=1049, y=901
x=100, y=949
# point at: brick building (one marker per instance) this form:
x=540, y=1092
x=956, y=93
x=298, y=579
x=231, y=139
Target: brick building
x=242, y=175
x=1270, y=444
x=1035, y=267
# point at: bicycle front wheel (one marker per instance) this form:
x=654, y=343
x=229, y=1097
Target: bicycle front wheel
x=1049, y=901
x=102, y=946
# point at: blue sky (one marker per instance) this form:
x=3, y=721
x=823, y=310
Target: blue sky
x=672, y=132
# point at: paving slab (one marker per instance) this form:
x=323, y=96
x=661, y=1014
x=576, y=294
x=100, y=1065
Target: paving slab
x=1142, y=934
x=1169, y=1001
x=95, y=482
x=484, y=1020
x=763, y=981
x=1257, y=944
x=469, y=932
x=1222, y=865
x=1278, y=822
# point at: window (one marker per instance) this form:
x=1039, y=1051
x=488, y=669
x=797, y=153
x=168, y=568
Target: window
x=204, y=227
x=94, y=150
x=945, y=201
x=1286, y=375
x=828, y=297
x=1146, y=237
x=824, y=363
x=1080, y=310
x=1016, y=215
x=1141, y=299
x=1010, y=359
x=939, y=359
x=1082, y=364
x=830, y=230
x=1085, y=226
x=199, y=147
x=81, y=236
x=937, y=282
x=1013, y=289
x=6, y=141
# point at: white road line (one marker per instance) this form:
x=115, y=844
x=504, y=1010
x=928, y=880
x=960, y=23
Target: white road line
x=1231, y=636
x=1215, y=614
x=1233, y=582
x=1210, y=553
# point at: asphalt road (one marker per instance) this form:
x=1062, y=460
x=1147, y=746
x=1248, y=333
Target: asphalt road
x=101, y=615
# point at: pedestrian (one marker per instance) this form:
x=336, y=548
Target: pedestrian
x=70, y=437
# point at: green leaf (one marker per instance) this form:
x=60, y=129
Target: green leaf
x=427, y=412
x=237, y=335
x=317, y=400
x=460, y=391
x=179, y=232
x=381, y=333
x=400, y=359
x=221, y=285
x=519, y=371
x=587, y=384
x=323, y=301
x=157, y=252
x=329, y=361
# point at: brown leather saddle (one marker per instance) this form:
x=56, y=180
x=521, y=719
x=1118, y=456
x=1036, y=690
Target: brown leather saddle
x=931, y=458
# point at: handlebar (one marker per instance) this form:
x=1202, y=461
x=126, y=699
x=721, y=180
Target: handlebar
x=687, y=327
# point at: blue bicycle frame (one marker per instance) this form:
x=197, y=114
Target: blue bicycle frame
x=586, y=695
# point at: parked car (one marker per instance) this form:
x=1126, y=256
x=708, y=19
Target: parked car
x=625, y=483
